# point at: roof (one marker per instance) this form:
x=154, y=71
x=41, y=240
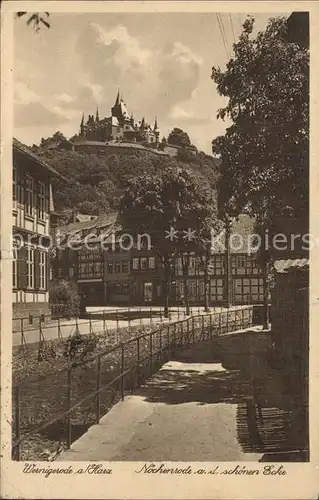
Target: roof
x=22, y=148
x=288, y=265
x=104, y=222
x=85, y=217
x=241, y=239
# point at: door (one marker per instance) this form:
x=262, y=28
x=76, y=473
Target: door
x=148, y=291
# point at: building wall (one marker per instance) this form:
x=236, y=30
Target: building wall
x=31, y=230
x=136, y=277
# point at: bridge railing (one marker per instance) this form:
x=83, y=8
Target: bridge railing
x=64, y=404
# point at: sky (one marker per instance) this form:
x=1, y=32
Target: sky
x=161, y=63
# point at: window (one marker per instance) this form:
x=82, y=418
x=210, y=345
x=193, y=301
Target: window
x=71, y=272
x=216, y=290
x=29, y=195
x=151, y=262
x=110, y=267
x=192, y=291
x=239, y=264
x=90, y=270
x=248, y=290
x=30, y=268
x=60, y=272
x=217, y=265
x=117, y=267
x=144, y=263
x=42, y=270
x=41, y=200
x=124, y=266
x=251, y=265
x=180, y=288
x=14, y=187
x=136, y=263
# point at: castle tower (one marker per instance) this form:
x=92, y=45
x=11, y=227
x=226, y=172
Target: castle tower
x=156, y=130
x=116, y=109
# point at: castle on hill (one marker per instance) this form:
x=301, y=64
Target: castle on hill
x=120, y=126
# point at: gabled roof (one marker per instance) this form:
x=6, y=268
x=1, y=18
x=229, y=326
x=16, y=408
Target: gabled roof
x=25, y=150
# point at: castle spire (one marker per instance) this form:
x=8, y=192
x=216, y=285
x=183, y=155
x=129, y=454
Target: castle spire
x=97, y=114
x=117, y=102
x=155, y=124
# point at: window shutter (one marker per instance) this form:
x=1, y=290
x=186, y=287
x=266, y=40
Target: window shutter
x=22, y=268
x=36, y=269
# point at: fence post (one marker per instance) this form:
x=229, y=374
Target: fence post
x=210, y=326
x=174, y=334
x=129, y=318
x=193, y=328
x=140, y=316
x=122, y=371
x=242, y=318
x=160, y=344
x=160, y=311
x=90, y=322
x=117, y=321
x=17, y=423
x=151, y=319
x=59, y=330
x=168, y=342
x=220, y=323
x=21, y=320
x=182, y=332
x=98, y=387
x=227, y=320
x=138, y=360
x=188, y=332
x=177, y=311
x=104, y=325
x=203, y=325
x=151, y=354
x=69, y=419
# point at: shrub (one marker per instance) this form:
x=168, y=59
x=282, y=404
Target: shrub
x=64, y=299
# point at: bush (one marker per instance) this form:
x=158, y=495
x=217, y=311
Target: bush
x=64, y=299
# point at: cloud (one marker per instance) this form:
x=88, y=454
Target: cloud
x=64, y=98
x=23, y=94
x=35, y=113
x=148, y=77
x=152, y=79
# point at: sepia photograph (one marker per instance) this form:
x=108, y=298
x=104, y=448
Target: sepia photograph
x=160, y=241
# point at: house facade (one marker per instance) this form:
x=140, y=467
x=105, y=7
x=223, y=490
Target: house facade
x=109, y=274
x=33, y=230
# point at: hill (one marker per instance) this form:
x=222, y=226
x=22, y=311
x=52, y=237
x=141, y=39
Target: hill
x=96, y=182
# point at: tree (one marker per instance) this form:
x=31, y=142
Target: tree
x=264, y=153
x=179, y=138
x=167, y=206
x=35, y=19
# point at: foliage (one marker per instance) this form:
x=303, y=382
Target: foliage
x=179, y=138
x=173, y=200
x=64, y=293
x=265, y=152
x=96, y=181
x=36, y=19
